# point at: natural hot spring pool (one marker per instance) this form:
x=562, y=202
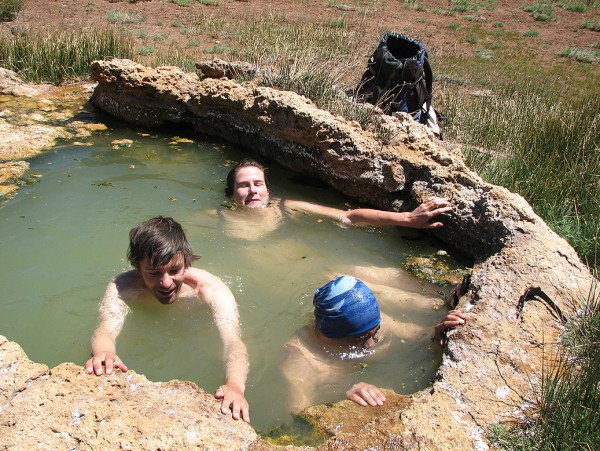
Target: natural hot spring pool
x=64, y=237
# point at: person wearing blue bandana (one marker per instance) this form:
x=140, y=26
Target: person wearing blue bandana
x=348, y=325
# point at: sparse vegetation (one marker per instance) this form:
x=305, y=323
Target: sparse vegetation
x=9, y=9
x=118, y=17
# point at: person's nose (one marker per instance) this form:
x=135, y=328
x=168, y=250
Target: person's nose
x=370, y=342
x=166, y=280
x=253, y=189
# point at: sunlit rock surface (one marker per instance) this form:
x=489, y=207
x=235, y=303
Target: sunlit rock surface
x=65, y=408
x=492, y=364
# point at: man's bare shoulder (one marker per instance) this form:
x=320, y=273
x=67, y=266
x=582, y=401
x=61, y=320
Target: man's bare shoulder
x=128, y=284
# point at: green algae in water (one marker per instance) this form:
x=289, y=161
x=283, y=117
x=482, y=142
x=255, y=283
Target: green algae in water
x=65, y=237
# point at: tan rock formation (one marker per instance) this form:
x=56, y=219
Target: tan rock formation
x=64, y=408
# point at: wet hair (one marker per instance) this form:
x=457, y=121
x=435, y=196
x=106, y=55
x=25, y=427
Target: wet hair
x=247, y=162
x=160, y=240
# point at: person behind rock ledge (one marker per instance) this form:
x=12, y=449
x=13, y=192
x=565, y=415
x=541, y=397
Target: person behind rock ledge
x=348, y=325
x=248, y=187
x=162, y=257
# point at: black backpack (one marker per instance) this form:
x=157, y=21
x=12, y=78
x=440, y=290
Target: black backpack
x=398, y=77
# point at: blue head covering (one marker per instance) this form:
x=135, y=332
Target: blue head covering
x=345, y=307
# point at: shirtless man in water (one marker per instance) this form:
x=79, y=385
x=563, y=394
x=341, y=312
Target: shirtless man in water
x=162, y=257
x=248, y=187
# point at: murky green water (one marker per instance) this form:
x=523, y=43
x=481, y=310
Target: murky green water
x=63, y=238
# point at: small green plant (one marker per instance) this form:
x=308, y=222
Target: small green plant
x=145, y=51
x=338, y=23
x=176, y=24
x=453, y=26
x=498, y=25
x=183, y=2
x=160, y=36
x=209, y=2
x=583, y=56
x=475, y=18
x=443, y=12
x=591, y=24
x=541, y=11
x=188, y=31
x=216, y=49
x=142, y=34
x=9, y=9
x=193, y=43
x=472, y=40
x=531, y=34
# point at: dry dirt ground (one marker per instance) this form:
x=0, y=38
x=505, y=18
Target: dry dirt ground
x=165, y=26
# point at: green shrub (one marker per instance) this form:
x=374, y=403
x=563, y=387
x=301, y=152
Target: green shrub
x=531, y=34
x=183, y=2
x=9, y=9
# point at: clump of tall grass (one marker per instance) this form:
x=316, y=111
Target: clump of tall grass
x=57, y=56
x=542, y=146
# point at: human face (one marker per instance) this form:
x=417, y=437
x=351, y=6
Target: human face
x=164, y=282
x=368, y=339
x=250, y=189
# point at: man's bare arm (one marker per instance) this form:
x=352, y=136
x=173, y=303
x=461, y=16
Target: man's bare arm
x=113, y=311
x=225, y=314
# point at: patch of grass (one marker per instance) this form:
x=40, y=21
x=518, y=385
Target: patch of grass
x=591, y=24
x=443, y=12
x=188, y=31
x=541, y=11
x=583, y=56
x=338, y=23
x=210, y=2
x=55, y=57
x=176, y=24
x=145, y=51
x=9, y=9
x=216, y=49
x=472, y=40
x=118, y=17
x=160, y=36
x=466, y=6
x=574, y=6
x=498, y=25
x=193, y=43
x=542, y=142
x=531, y=34
x=453, y=26
x=183, y=2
